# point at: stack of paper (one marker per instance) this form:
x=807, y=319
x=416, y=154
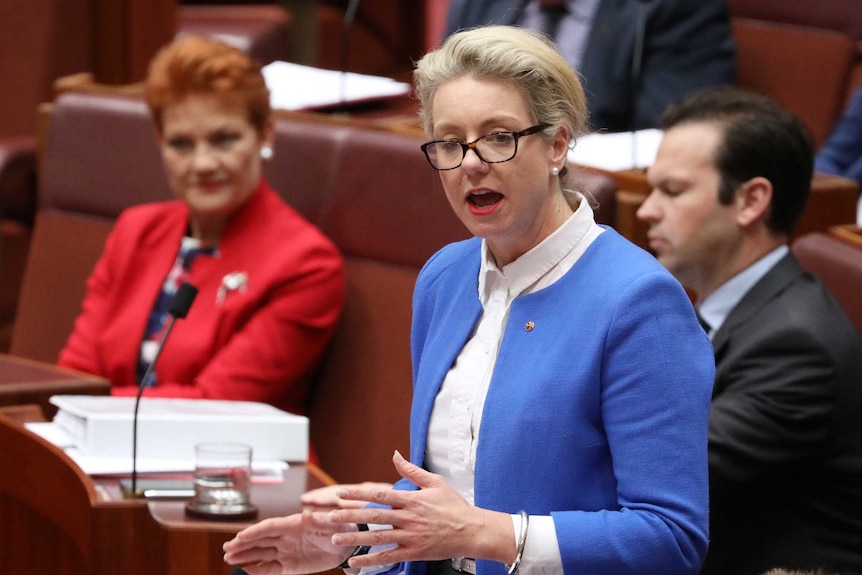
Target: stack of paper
x=296, y=87
x=616, y=151
x=168, y=429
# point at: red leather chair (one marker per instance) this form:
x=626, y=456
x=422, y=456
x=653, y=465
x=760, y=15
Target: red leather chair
x=39, y=41
x=261, y=30
x=838, y=264
x=805, y=69
x=842, y=16
x=49, y=39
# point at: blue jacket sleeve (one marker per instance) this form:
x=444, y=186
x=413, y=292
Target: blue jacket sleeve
x=842, y=153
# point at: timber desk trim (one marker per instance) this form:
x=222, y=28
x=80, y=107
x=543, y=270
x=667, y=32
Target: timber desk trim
x=26, y=381
x=165, y=540
x=124, y=536
x=850, y=233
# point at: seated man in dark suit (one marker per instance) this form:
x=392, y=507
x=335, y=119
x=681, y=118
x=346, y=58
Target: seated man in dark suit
x=635, y=56
x=729, y=183
x=842, y=153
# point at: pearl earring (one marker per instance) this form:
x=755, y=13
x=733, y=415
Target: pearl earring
x=555, y=171
x=266, y=153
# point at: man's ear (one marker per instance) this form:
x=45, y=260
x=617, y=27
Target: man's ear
x=753, y=200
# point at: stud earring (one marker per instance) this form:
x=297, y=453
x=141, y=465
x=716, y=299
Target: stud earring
x=555, y=171
x=266, y=153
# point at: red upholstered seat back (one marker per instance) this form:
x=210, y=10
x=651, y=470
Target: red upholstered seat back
x=842, y=16
x=838, y=264
x=805, y=69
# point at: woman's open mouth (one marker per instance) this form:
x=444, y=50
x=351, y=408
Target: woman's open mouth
x=485, y=199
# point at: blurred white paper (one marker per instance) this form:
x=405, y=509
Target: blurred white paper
x=52, y=432
x=170, y=427
x=297, y=87
x=98, y=465
x=616, y=151
x=94, y=465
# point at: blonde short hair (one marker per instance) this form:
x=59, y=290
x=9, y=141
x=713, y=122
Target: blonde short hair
x=527, y=60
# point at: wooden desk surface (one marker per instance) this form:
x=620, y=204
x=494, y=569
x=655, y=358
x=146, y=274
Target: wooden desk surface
x=156, y=536
x=138, y=536
x=25, y=381
x=272, y=500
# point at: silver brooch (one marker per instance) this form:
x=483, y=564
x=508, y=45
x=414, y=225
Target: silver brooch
x=235, y=281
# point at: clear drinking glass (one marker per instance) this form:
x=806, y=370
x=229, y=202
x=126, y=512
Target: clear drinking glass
x=222, y=479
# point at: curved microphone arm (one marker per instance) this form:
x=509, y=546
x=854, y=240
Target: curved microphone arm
x=179, y=308
x=637, y=72
x=346, y=25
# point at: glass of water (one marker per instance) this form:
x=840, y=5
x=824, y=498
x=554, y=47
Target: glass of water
x=222, y=480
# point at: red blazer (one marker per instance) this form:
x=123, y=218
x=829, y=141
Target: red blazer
x=260, y=344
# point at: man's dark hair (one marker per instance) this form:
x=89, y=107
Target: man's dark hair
x=760, y=138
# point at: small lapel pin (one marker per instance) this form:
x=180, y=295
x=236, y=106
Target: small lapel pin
x=235, y=281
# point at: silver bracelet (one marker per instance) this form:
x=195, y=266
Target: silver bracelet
x=522, y=542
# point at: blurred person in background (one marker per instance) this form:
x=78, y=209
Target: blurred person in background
x=635, y=57
x=271, y=286
x=729, y=183
x=842, y=153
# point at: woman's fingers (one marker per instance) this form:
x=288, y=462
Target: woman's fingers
x=329, y=496
x=416, y=475
x=252, y=536
x=299, y=543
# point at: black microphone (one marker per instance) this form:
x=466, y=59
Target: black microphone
x=178, y=309
x=346, y=25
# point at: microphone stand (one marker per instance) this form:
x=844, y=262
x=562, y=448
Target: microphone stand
x=346, y=25
x=180, y=305
x=636, y=72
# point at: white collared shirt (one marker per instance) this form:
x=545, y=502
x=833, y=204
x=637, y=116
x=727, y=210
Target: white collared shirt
x=457, y=414
x=715, y=308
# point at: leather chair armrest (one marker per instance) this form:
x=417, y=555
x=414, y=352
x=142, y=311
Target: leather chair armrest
x=600, y=189
x=18, y=178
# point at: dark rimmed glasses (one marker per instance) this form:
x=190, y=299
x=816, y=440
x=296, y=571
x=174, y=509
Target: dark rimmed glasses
x=493, y=148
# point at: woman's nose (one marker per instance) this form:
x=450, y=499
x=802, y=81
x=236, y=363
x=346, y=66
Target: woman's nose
x=472, y=162
x=204, y=158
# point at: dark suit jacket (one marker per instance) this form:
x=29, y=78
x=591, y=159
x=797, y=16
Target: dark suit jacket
x=785, y=432
x=687, y=46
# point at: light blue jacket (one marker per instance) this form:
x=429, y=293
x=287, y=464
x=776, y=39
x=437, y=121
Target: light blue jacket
x=597, y=416
x=842, y=152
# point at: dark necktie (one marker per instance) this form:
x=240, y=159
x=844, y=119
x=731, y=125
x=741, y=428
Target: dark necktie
x=552, y=15
x=706, y=327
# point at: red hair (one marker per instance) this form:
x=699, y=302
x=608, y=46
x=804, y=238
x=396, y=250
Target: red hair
x=200, y=65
